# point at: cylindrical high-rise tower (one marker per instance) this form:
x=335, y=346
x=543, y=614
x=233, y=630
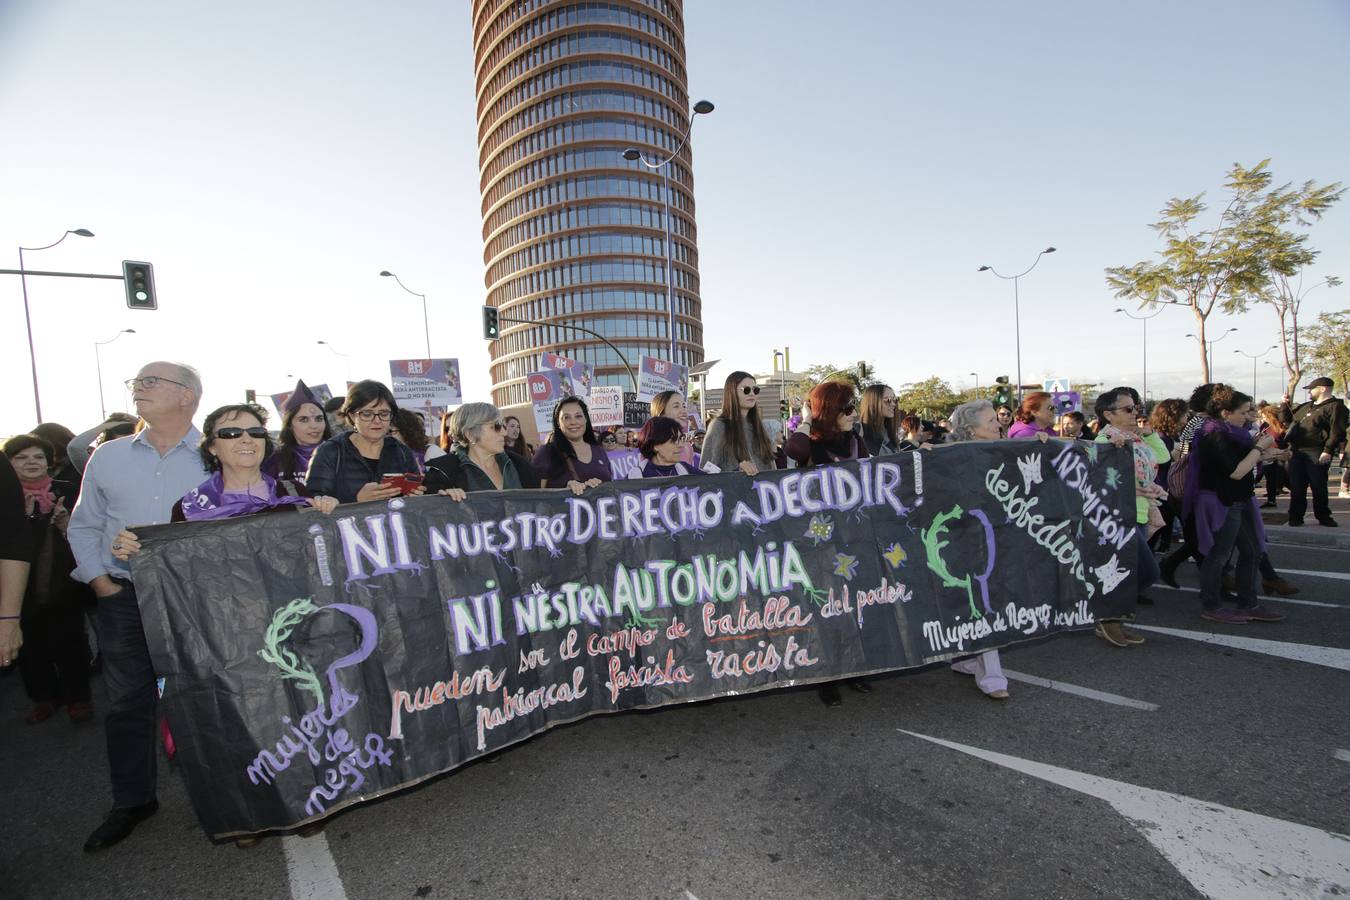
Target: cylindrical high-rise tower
x=572, y=232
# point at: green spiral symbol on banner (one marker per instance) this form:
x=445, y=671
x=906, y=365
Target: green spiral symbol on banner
x=274, y=651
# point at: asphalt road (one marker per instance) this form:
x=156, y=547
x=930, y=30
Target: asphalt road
x=1216, y=770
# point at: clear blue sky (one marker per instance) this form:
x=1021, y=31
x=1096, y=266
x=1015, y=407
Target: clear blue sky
x=864, y=160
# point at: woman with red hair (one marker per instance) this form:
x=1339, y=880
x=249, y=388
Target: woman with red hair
x=1036, y=414
x=829, y=437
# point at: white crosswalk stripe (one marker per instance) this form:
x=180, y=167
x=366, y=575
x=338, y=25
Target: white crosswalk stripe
x=1331, y=657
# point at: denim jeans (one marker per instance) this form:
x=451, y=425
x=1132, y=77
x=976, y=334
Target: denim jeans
x=1306, y=473
x=131, y=719
x=1238, y=531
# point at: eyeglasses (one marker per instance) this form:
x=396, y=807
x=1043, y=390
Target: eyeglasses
x=231, y=434
x=609, y=439
x=149, y=381
x=1125, y=409
x=747, y=391
x=370, y=415
x=848, y=410
x=498, y=426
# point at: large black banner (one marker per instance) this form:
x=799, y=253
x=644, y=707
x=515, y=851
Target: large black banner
x=310, y=662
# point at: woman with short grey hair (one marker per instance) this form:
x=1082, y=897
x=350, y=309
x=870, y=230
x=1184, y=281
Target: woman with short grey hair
x=478, y=459
x=977, y=421
x=965, y=418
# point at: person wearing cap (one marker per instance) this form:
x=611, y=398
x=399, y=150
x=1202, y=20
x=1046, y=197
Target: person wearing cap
x=1316, y=430
x=303, y=428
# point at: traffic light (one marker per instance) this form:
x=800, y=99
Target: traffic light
x=1002, y=391
x=784, y=409
x=491, y=328
x=139, y=278
x=250, y=395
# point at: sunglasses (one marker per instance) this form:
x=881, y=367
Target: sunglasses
x=498, y=426
x=1125, y=409
x=747, y=391
x=849, y=410
x=231, y=434
x=609, y=439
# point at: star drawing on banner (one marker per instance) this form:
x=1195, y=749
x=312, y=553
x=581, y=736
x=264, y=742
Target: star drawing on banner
x=895, y=555
x=819, y=529
x=845, y=565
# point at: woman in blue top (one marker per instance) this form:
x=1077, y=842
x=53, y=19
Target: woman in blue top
x=350, y=466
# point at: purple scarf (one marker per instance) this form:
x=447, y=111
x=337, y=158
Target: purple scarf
x=272, y=466
x=209, y=500
x=1208, y=512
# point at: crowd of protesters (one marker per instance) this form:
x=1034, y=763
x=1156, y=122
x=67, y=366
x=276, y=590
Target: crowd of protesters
x=66, y=501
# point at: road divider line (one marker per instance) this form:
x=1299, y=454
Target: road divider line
x=1078, y=691
x=1342, y=755
x=312, y=870
x=1222, y=851
x=1339, y=576
x=1275, y=598
x=1331, y=657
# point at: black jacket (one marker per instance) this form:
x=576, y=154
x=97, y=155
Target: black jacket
x=1315, y=428
x=449, y=471
x=339, y=470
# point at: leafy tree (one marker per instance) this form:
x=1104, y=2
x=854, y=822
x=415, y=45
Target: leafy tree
x=933, y=398
x=860, y=375
x=1327, y=344
x=1285, y=297
x=1229, y=265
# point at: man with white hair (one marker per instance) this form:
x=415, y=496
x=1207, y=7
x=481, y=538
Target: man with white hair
x=129, y=482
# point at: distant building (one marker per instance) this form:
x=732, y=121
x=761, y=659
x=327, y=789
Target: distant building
x=573, y=232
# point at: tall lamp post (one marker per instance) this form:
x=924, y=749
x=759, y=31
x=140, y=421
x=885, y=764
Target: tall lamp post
x=1209, y=347
x=28, y=319
x=976, y=376
x=632, y=154
x=1144, y=319
x=1254, y=357
x=98, y=365
x=425, y=326
x=1017, y=309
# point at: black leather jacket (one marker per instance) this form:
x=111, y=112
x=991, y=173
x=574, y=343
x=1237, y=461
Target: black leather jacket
x=339, y=470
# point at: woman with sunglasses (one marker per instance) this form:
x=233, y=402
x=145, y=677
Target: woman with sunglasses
x=880, y=420
x=234, y=444
x=303, y=428
x=1035, y=415
x=1118, y=423
x=572, y=458
x=349, y=467
x=737, y=439
x=479, y=459
x=829, y=437
x=661, y=443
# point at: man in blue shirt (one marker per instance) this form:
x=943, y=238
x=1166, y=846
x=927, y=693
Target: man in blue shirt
x=128, y=482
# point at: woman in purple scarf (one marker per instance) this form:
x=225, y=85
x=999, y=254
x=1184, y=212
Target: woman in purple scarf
x=303, y=428
x=1222, y=498
x=234, y=444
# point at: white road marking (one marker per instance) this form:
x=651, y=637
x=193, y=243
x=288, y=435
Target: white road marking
x=1339, y=576
x=313, y=873
x=1342, y=755
x=1223, y=852
x=1077, y=691
x=1273, y=597
x=1331, y=657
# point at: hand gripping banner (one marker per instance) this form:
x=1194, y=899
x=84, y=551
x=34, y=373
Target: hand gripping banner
x=311, y=662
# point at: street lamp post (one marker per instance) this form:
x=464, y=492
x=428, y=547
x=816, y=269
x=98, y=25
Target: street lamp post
x=1254, y=357
x=1144, y=319
x=98, y=366
x=28, y=319
x=425, y=326
x=347, y=357
x=632, y=154
x=1209, y=347
x=1017, y=310
x=977, y=383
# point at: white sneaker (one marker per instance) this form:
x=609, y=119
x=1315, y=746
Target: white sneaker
x=1343, y=494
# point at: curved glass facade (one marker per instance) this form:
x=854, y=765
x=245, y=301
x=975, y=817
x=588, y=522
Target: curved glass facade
x=574, y=234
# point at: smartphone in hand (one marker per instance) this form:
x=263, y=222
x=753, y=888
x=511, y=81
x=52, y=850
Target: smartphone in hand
x=406, y=482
